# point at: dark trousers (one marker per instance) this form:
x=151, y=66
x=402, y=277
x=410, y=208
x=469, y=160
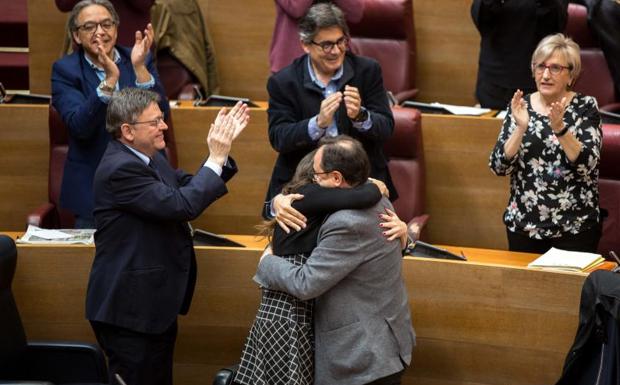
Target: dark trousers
x=139, y=358
x=84, y=223
x=586, y=241
x=392, y=379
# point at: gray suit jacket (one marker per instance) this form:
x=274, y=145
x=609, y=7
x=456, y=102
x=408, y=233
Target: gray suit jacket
x=362, y=320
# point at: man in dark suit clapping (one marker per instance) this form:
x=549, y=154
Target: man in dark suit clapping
x=144, y=270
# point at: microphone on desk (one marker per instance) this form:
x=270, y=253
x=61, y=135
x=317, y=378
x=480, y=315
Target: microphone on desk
x=200, y=98
x=615, y=257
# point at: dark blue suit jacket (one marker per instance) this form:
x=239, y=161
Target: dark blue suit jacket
x=294, y=99
x=144, y=270
x=74, y=95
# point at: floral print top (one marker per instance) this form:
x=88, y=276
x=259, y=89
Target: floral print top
x=549, y=195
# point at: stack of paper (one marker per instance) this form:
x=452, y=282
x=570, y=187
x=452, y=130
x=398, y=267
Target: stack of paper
x=558, y=259
x=38, y=235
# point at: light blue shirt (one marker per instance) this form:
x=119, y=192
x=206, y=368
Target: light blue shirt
x=314, y=131
x=100, y=72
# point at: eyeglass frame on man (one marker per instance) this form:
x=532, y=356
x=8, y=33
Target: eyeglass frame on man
x=316, y=174
x=105, y=25
x=554, y=69
x=153, y=123
x=328, y=46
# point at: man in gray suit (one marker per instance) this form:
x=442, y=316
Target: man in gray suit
x=363, y=330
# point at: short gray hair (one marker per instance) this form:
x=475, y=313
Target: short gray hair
x=126, y=106
x=321, y=16
x=566, y=46
x=77, y=8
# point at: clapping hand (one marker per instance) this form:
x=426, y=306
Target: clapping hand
x=112, y=73
x=519, y=110
x=556, y=115
x=353, y=101
x=220, y=139
x=329, y=106
x=140, y=51
x=142, y=46
x=240, y=114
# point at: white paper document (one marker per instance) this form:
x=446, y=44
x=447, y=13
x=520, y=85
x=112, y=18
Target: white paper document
x=462, y=110
x=566, y=260
x=37, y=235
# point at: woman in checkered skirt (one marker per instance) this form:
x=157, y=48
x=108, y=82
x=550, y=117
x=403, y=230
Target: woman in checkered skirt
x=280, y=347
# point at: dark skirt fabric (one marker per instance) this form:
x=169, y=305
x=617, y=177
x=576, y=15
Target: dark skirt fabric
x=280, y=347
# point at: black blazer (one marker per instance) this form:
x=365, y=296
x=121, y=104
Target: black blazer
x=294, y=99
x=144, y=270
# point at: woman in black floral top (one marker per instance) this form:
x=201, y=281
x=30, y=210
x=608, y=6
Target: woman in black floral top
x=550, y=145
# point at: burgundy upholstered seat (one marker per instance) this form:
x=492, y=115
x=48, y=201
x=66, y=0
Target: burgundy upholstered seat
x=405, y=150
x=609, y=188
x=386, y=33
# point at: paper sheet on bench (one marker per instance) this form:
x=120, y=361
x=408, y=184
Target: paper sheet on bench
x=566, y=260
x=38, y=235
x=462, y=110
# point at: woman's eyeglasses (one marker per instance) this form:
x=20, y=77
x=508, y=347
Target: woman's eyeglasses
x=555, y=69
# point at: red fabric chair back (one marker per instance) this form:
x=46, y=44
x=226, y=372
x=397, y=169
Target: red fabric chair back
x=405, y=150
x=609, y=188
x=177, y=80
x=59, y=145
x=577, y=26
x=595, y=78
x=386, y=33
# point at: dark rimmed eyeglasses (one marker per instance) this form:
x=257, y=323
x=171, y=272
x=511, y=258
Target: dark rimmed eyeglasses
x=90, y=27
x=315, y=175
x=555, y=69
x=327, y=46
x=153, y=123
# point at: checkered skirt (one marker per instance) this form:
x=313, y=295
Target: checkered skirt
x=280, y=347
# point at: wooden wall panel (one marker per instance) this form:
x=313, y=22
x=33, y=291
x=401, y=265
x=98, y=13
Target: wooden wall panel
x=240, y=210
x=241, y=30
x=464, y=198
x=24, y=154
x=490, y=321
x=448, y=46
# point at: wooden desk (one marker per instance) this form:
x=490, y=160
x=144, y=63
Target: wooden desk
x=486, y=321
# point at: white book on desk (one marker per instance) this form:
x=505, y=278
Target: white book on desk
x=559, y=259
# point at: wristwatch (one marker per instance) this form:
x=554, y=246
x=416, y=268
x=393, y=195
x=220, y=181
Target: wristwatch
x=103, y=86
x=562, y=132
x=361, y=116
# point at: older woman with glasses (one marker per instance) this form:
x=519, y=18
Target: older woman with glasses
x=550, y=146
